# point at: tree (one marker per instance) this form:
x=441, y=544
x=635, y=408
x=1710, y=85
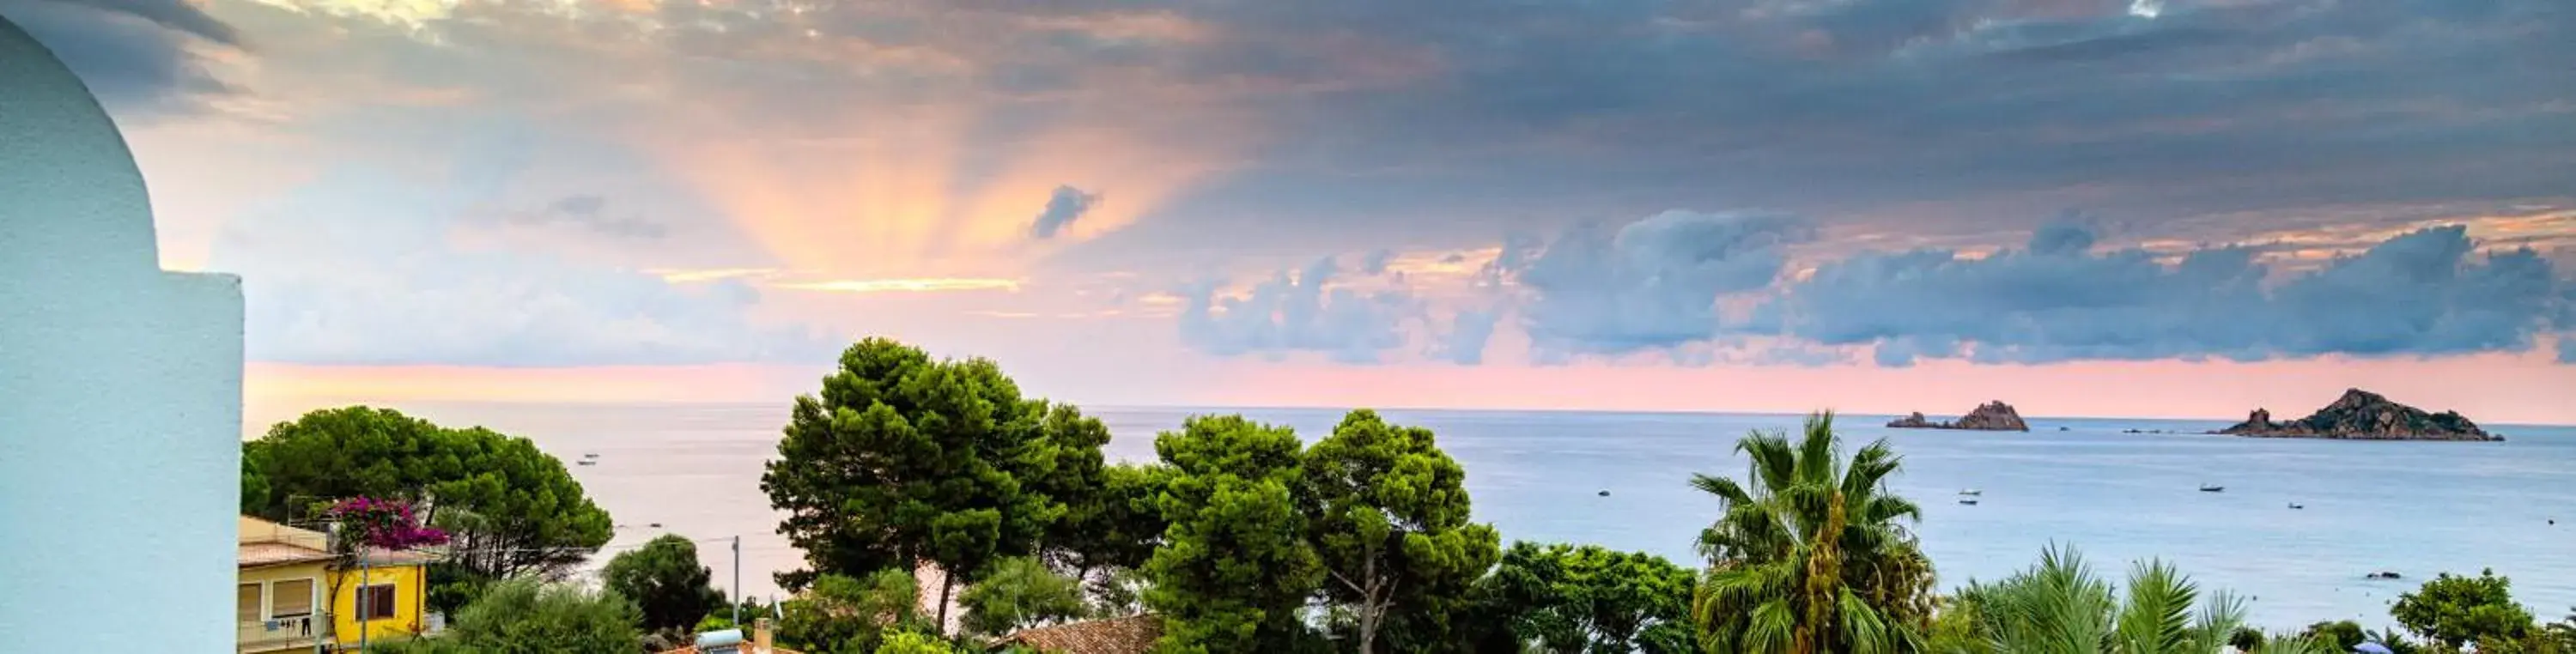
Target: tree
x=1235, y=566
x=1812, y=555
x=2458, y=610
x=1066, y=466
x=750, y=608
x=1120, y=593
x=2061, y=607
x=2553, y=638
x=839, y=613
x=907, y=642
x=1388, y=513
x=511, y=509
x=254, y=485
x=1020, y=592
x=664, y=578
x=1109, y=526
x=2246, y=639
x=1572, y=599
x=903, y=458
x=2343, y=635
x=527, y=617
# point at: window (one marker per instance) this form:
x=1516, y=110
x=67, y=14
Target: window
x=246, y=603
x=375, y=602
x=291, y=599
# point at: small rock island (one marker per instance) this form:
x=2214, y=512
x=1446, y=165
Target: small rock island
x=1991, y=416
x=2364, y=415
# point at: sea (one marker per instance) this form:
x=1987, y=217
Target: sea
x=2116, y=490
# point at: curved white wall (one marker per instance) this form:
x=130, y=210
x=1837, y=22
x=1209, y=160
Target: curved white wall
x=120, y=391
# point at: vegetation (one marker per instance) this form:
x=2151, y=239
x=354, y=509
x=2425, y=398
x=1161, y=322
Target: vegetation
x=509, y=509
x=665, y=580
x=1811, y=554
x=1236, y=563
x=841, y=614
x=2061, y=607
x=903, y=458
x=1571, y=599
x=1388, y=512
x=527, y=617
x=1021, y=592
x=1241, y=538
x=905, y=642
x=2457, y=610
x=1114, y=526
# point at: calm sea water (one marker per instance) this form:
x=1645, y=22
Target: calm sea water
x=2411, y=508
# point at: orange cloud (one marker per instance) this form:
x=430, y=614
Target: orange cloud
x=920, y=285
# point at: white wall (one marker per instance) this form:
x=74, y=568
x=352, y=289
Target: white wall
x=120, y=391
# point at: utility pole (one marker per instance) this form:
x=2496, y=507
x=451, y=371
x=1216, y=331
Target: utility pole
x=364, y=576
x=737, y=583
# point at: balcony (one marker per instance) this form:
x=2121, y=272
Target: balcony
x=293, y=633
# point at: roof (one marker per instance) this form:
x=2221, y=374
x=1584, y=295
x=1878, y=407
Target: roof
x=261, y=555
x=263, y=543
x=378, y=556
x=1128, y=635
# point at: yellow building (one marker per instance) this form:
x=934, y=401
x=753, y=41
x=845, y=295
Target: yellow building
x=285, y=574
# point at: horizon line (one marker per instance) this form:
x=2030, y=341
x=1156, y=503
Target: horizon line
x=1088, y=408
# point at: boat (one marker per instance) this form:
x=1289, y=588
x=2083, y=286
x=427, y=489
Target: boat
x=1972, y=492
x=2296, y=505
x=1968, y=501
x=587, y=462
x=592, y=455
x=2206, y=488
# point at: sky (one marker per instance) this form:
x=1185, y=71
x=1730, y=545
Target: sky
x=2154, y=208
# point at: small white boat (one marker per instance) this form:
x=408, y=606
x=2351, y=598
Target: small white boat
x=592, y=455
x=1968, y=501
x=1972, y=492
x=587, y=462
x=2206, y=488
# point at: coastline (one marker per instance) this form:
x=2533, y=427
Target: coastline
x=2122, y=497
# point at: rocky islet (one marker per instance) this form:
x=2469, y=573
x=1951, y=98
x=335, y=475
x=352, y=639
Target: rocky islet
x=1991, y=416
x=2363, y=415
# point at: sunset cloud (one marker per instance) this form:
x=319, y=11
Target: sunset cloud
x=1202, y=191
x=146, y=57
x=1065, y=205
x=921, y=285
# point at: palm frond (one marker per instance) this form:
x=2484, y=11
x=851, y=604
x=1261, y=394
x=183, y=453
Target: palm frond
x=2156, y=618
x=1726, y=489
x=1818, y=451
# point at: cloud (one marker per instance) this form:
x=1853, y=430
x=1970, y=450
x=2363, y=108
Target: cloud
x=1375, y=262
x=358, y=269
x=1065, y=205
x=1650, y=284
x=141, y=57
x=1303, y=312
x=1464, y=342
x=589, y=213
x=2423, y=293
x=1836, y=108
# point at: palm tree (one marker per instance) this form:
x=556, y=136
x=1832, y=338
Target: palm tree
x=1812, y=553
x=2061, y=607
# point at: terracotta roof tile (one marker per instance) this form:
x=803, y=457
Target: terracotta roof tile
x=1129, y=635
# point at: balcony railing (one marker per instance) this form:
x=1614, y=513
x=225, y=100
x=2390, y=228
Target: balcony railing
x=282, y=633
